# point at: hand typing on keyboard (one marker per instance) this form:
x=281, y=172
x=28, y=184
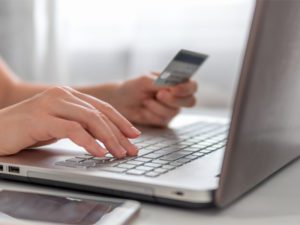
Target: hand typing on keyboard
x=159, y=155
x=62, y=112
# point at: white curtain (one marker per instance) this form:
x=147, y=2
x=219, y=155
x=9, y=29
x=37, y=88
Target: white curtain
x=80, y=41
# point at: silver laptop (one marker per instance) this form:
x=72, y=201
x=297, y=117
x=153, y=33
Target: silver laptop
x=209, y=161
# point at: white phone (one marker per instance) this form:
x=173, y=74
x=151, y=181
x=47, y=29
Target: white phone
x=34, y=208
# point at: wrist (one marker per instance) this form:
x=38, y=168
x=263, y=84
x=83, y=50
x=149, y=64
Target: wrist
x=105, y=92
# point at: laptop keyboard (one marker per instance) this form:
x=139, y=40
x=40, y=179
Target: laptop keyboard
x=160, y=154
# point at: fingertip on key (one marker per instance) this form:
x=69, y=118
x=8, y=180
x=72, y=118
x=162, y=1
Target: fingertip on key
x=133, y=151
x=135, y=131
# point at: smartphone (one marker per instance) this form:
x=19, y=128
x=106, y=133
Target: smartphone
x=34, y=208
x=181, y=68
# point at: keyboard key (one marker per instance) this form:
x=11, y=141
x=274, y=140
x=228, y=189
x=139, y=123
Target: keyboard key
x=103, y=161
x=125, y=165
x=154, y=165
x=168, y=167
x=153, y=155
x=198, y=139
x=144, y=151
x=145, y=168
x=103, y=158
x=75, y=160
x=165, y=151
x=142, y=145
x=174, y=156
x=212, y=148
x=152, y=174
x=160, y=145
x=142, y=159
x=188, y=142
x=192, y=149
x=160, y=170
x=159, y=161
x=88, y=163
x=206, y=151
x=198, y=154
x=199, y=146
x=190, y=157
x=84, y=157
x=135, y=172
x=183, y=160
x=176, y=163
x=134, y=162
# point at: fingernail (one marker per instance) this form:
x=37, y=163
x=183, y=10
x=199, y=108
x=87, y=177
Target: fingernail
x=135, y=149
x=136, y=131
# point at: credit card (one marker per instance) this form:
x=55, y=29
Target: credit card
x=181, y=68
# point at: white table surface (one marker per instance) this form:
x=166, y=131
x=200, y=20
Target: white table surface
x=276, y=201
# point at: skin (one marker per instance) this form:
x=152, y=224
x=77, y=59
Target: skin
x=35, y=115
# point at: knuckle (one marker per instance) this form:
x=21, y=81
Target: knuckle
x=93, y=114
x=108, y=107
x=51, y=96
x=67, y=88
x=57, y=91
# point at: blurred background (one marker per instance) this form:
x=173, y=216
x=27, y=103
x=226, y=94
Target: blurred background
x=77, y=42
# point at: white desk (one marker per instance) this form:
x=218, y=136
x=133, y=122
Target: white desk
x=277, y=201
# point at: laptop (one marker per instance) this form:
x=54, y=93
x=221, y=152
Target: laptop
x=209, y=161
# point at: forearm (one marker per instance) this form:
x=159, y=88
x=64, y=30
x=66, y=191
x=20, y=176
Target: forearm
x=12, y=90
x=21, y=91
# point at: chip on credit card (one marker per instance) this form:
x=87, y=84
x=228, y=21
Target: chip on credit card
x=181, y=68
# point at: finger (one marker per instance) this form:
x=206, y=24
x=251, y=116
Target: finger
x=94, y=122
x=160, y=109
x=185, y=89
x=119, y=120
x=131, y=149
x=123, y=141
x=167, y=98
x=150, y=118
x=60, y=128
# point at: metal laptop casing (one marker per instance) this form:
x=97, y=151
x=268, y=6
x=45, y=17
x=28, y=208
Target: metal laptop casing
x=265, y=125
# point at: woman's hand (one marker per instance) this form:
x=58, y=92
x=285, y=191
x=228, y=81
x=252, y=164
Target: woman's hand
x=143, y=102
x=62, y=112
